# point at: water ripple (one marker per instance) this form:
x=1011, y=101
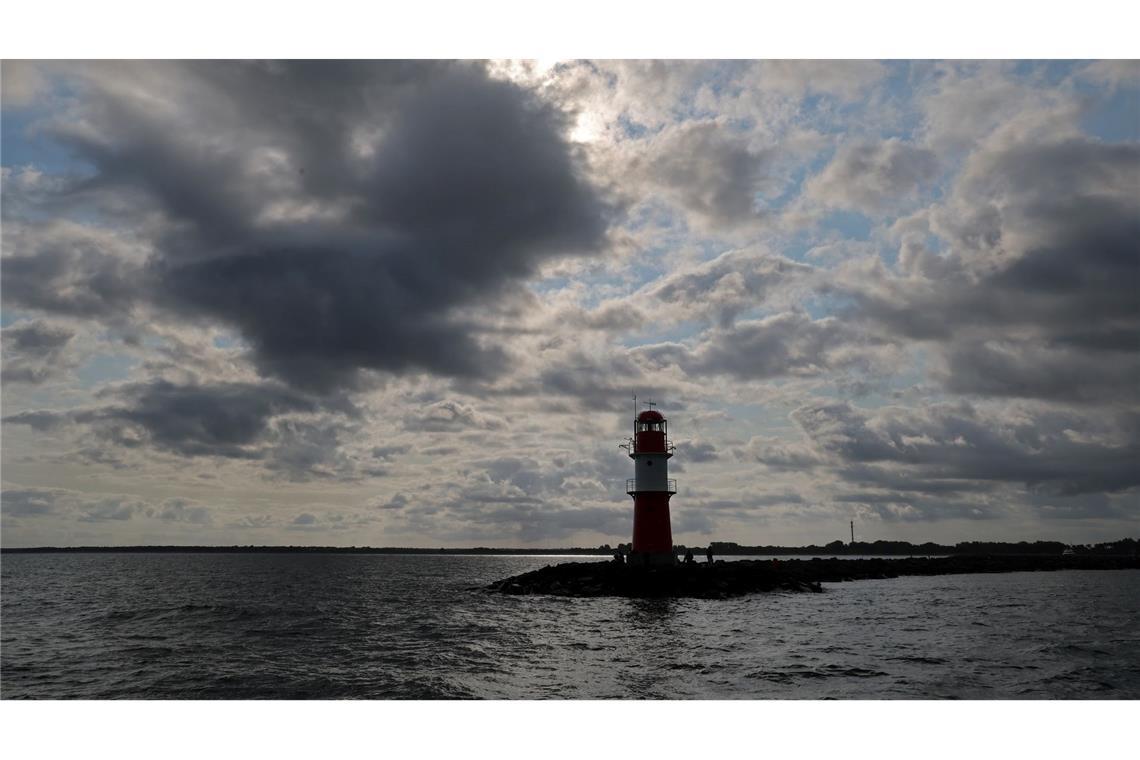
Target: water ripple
x=409, y=627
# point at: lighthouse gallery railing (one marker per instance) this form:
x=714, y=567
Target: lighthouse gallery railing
x=631, y=486
x=668, y=448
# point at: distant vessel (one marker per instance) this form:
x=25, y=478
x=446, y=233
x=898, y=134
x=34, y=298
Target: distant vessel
x=1068, y=552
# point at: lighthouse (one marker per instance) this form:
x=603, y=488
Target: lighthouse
x=651, y=487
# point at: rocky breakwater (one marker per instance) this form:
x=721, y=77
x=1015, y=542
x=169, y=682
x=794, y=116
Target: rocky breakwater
x=703, y=581
x=722, y=579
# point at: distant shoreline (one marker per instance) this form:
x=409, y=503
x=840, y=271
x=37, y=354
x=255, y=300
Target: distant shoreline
x=1124, y=547
x=289, y=550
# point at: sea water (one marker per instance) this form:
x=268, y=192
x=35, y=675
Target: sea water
x=315, y=626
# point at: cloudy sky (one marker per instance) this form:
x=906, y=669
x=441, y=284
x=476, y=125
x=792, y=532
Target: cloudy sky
x=408, y=303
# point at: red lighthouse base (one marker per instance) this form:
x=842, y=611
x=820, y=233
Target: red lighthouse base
x=652, y=534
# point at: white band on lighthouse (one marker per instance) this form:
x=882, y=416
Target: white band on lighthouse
x=651, y=472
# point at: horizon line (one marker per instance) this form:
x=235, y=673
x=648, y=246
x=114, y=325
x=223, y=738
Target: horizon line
x=603, y=549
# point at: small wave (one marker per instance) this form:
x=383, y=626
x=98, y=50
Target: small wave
x=920, y=660
x=774, y=676
x=179, y=611
x=148, y=651
x=685, y=666
x=827, y=671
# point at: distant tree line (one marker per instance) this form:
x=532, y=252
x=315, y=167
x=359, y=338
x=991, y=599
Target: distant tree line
x=1127, y=547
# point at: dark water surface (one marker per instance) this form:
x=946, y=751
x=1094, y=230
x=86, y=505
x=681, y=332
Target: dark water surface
x=389, y=626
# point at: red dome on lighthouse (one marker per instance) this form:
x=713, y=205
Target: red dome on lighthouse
x=650, y=415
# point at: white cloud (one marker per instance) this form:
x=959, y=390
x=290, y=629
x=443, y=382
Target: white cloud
x=407, y=303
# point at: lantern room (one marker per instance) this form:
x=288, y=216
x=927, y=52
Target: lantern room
x=651, y=433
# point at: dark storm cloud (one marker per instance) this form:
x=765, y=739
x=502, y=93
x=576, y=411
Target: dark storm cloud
x=872, y=177
x=36, y=338
x=304, y=450
x=388, y=453
x=82, y=507
x=180, y=136
x=76, y=280
x=1074, y=287
x=308, y=108
x=397, y=502
x=955, y=447
x=1084, y=507
x=39, y=420
x=994, y=368
x=220, y=420
x=30, y=502
x=1036, y=295
x=338, y=214
x=234, y=420
x=34, y=351
x=315, y=318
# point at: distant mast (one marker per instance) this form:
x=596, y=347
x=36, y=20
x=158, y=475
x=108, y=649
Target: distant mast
x=852, y=532
x=651, y=488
